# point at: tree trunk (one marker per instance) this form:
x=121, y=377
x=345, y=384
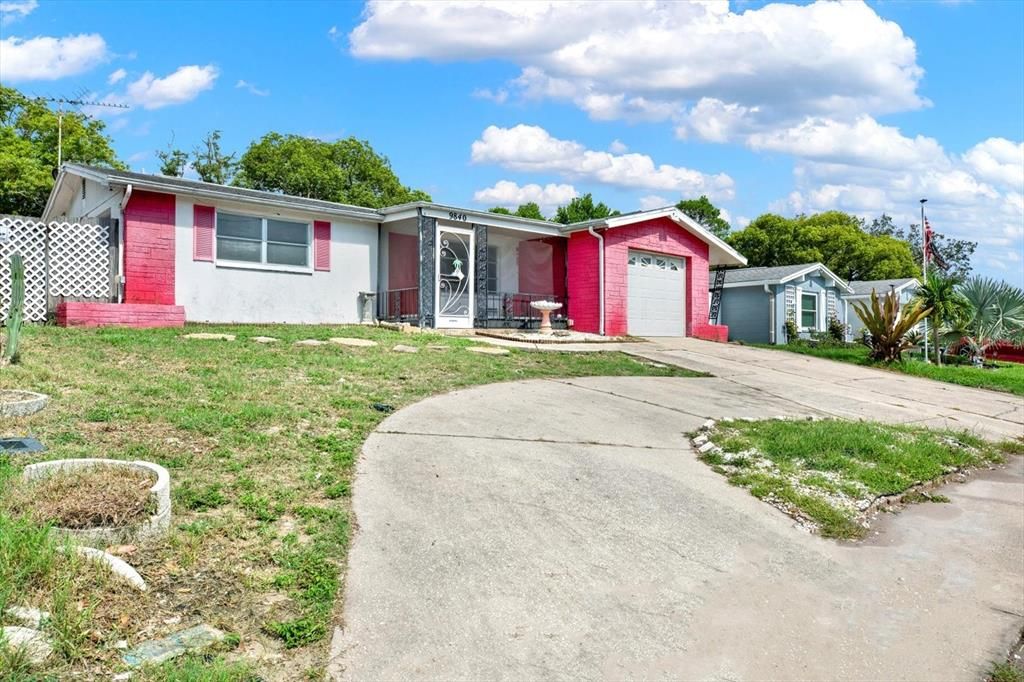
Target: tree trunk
x=935, y=339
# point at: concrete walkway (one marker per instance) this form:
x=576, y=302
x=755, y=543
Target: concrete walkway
x=565, y=530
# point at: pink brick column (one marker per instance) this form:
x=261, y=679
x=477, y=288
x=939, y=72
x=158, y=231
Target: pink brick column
x=149, y=248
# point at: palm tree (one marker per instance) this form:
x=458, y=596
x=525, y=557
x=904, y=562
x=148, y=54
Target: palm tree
x=939, y=293
x=994, y=312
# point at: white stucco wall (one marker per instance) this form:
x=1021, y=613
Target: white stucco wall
x=220, y=293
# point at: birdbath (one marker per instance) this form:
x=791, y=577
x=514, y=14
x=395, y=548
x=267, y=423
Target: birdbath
x=545, y=308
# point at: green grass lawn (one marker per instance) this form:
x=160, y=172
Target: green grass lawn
x=260, y=441
x=1006, y=376
x=827, y=472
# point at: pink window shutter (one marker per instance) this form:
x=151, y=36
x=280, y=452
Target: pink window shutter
x=321, y=245
x=202, y=233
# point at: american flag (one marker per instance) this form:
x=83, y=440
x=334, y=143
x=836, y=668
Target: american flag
x=931, y=253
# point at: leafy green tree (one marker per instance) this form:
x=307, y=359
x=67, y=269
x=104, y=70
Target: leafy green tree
x=172, y=162
x=28, y=149
x=939, y=294
x=528, y=210
x=833, y=238
x=210, y=163
x=347, y=171
x=707, y=214
x=954, y=254
x=582, y=209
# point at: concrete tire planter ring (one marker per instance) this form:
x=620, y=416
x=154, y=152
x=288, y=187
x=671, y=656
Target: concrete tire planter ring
x=153, y=527
x=16, y=403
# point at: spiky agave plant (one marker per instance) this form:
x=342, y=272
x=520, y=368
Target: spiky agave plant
x=889, y=324
x=16, y=313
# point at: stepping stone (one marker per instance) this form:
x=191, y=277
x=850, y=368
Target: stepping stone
x=36, y=645
x=264, y=339
x=28, y=616
x=159, y=650
x=206, y=336
x=488, y=350
x=405, y=349
x=347, y=341
x=310, y=342
x=117, y=566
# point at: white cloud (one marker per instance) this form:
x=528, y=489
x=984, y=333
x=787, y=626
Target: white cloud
x=47, y=58
x=252, y=88
x=864, y=142
x=499, y=96
x=12, y=10
x=533, y=149
x=182, y=86
x=648, y=60
x=618, y=147
x=116, y=77
x=510, y=195
x=649, y=202
x=332, y=33
x=999, y=161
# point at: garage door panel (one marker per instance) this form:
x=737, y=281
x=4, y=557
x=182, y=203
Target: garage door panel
x=656, y=300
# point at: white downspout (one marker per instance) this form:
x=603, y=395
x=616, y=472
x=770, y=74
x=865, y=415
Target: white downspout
x=771, y=313
x=600, y=277
x=120, y=243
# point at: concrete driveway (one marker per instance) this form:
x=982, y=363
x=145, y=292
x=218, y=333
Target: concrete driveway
x=565, y=530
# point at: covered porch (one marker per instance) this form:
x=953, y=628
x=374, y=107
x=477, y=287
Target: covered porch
x=473, y=271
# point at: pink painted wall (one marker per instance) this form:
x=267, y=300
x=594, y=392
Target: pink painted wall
x=149, y=248
x=660, y=235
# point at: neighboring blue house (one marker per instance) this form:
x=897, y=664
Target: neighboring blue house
x=756, y=302
x=906, y=288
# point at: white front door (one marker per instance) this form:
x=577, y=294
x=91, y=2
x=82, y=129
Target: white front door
x=656, y=297
x=453, y=296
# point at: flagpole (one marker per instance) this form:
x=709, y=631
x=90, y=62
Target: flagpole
x=924, y=269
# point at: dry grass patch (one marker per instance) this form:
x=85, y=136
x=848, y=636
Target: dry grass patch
x=91, y=497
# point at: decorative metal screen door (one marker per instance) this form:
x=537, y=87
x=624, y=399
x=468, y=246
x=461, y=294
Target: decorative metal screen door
x=454, y=296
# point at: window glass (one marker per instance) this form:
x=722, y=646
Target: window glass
x=287, y=232
x=492, y=268
x=239, y=226
x=809, y=311
x=239, y=249
x=287, y=254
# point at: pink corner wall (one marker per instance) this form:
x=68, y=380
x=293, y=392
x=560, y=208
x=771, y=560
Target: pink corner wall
x=149, y=248
x=660, y=235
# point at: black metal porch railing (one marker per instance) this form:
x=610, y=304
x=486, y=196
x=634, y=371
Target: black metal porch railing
x=503, y=309
x=399, y=305
x=513, y=310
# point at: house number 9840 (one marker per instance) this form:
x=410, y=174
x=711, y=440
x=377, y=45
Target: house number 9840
x=457, y=216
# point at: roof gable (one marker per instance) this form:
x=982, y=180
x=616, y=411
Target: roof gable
x=779, y=274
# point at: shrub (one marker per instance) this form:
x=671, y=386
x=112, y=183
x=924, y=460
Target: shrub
x=888, y=324
x=792, y=331
x=836, y=330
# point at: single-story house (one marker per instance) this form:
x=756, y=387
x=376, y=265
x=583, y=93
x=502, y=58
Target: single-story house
x=196, y=251
x=756, y=302
x=861, y=290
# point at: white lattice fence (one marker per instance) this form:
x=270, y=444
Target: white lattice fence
x=79, y=260
x=27, y=237
x=77, y=255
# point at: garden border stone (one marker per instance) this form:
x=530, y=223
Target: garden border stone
x=155, y=526
x=30, y=403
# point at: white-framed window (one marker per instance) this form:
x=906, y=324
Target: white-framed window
x=492, y=269
x=258, y=241
x=808, y=311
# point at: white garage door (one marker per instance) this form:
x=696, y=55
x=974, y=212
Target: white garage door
x=657, y=294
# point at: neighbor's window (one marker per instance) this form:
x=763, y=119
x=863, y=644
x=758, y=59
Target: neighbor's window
x=269, y=241
x=809, y=311
x=492, y=269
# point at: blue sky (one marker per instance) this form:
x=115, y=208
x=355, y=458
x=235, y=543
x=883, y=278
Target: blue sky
x=762, y=106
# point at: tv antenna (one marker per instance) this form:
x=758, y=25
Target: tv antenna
x=76, y=102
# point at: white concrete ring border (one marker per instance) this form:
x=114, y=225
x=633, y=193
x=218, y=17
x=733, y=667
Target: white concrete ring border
x=27, y=403
x=155, y=526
